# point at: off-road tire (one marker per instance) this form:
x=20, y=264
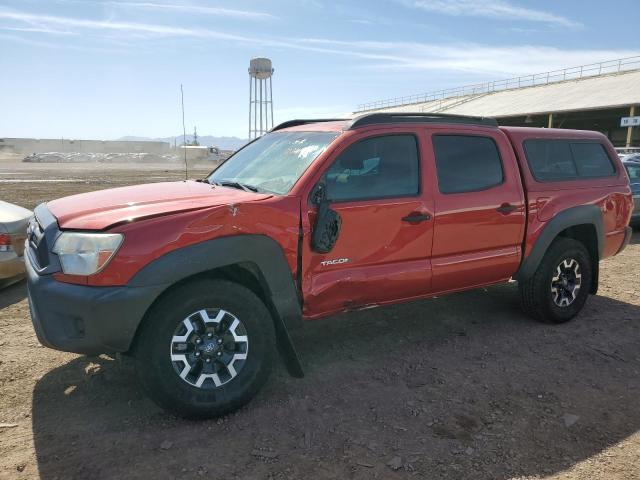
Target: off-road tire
x=536, y=296
x=152, y=349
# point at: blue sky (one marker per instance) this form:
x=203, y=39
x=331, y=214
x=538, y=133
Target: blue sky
x=104, y=69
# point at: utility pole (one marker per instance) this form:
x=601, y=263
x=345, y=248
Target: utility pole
x=632, y=112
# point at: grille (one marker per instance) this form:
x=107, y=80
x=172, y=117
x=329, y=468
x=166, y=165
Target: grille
x=38, y=243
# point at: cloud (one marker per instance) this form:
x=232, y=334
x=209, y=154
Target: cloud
x=201, y=10
x=44, y=21
x=498, y=9
x=465, y=57
x=472, y=58
x=49, y=31
x=55, y=46
x=137, y=29
x=311, y=3
x=361, y=21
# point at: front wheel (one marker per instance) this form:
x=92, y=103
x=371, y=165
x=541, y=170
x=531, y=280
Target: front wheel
x=205, y=348
x=560, y=286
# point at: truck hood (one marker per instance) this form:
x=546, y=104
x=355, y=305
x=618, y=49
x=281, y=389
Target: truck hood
x=105, y=208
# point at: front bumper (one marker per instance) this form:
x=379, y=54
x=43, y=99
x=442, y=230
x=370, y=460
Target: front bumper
x=85, y=319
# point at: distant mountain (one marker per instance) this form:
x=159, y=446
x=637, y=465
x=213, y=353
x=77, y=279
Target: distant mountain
x=223, y=143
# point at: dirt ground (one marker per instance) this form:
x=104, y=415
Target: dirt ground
x=457, y=387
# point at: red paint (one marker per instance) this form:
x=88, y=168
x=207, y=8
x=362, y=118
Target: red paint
x=546, y=199
x=467, y=243
x=494, y=252
x=276, y=217
x=104, y=208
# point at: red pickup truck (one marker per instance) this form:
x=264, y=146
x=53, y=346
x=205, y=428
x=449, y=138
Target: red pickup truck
x=200, y=281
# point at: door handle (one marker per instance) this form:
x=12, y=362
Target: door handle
x=506, y=208
x=416, y=217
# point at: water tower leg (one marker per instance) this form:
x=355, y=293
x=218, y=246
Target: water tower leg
x=266, y=111
x=250, y=97
x=261, y=106
x=271, y=100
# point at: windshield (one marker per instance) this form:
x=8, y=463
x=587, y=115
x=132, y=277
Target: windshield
x=274, y=162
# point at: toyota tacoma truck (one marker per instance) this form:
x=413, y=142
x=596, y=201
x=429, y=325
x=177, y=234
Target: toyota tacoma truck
x=203, y=281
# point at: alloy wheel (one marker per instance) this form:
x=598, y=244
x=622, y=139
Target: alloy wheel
x=209, y=348
x=566, y=282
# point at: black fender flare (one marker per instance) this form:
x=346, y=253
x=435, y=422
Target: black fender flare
x=571, y=217
x=269, y=263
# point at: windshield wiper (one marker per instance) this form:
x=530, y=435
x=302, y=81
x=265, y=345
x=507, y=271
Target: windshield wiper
x=234, y=184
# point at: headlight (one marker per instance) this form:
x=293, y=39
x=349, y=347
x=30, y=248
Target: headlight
x=86, y=253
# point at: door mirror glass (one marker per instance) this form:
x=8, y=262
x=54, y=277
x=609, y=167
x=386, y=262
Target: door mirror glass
x=326, y=230
x=327, y=226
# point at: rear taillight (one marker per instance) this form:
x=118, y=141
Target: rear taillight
x=5, y=243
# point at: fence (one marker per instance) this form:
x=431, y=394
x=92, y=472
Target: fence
x=572, y=73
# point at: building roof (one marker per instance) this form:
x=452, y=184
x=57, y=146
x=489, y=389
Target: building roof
x=587, y=93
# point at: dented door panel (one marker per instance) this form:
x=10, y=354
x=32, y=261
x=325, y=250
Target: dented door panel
x=377, y=258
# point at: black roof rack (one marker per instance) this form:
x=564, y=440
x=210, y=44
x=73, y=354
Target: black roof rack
x=295, y=123
x=375, y=118
x=384, y=117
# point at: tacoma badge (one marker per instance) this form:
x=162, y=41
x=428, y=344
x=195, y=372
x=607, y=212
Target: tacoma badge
x=337, y=261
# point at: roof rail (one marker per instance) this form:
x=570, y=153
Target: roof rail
x=411, y=117
x=295, y=123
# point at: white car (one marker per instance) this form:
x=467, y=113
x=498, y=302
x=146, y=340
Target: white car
x=14, y=221
x=630, y=157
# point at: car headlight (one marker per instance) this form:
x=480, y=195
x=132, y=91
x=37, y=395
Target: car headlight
x=86, y=253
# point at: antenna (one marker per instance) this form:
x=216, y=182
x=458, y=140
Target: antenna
x=184, y=136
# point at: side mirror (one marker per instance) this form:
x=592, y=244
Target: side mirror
x=327, y=227
x=319, y=193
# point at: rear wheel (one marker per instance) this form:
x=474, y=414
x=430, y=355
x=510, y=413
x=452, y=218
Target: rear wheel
x=559, y=288
x=205, y=348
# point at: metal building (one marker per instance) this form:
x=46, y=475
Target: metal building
x=589, y=97
x=260, y=97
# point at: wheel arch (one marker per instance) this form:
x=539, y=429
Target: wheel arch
x=255, y=261
x=583, y=223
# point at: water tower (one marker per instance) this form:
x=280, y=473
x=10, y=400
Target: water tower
x=260, y=97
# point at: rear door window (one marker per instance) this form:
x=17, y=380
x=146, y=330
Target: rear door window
x=466, y=163
x=557, y=160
